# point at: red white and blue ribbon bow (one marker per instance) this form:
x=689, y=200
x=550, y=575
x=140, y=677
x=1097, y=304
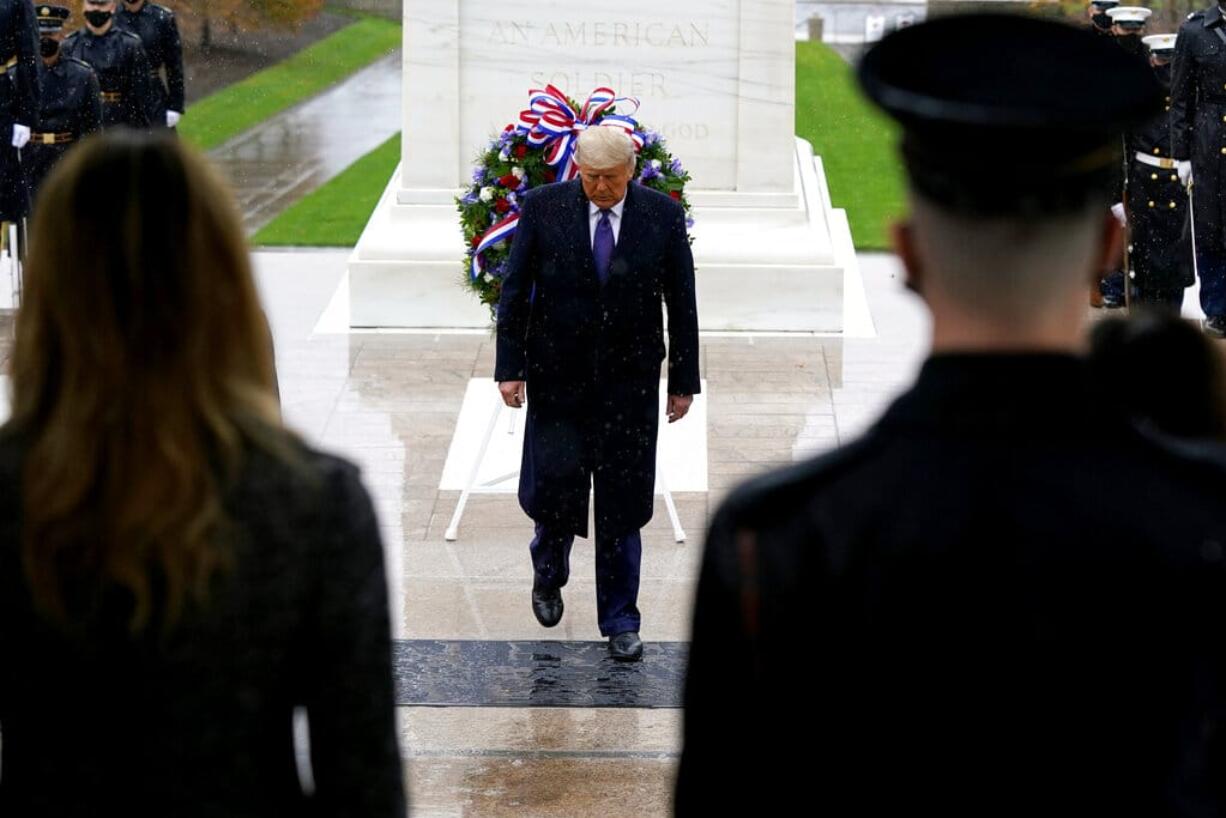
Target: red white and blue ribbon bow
x=550, y=121
x=503, y=229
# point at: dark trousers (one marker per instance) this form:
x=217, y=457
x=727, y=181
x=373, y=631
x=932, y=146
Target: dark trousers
x=618, y=557
x=1211, y=267
x=1112, y=287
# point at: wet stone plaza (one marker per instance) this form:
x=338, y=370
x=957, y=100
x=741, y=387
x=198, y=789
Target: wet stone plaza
x=500, y=716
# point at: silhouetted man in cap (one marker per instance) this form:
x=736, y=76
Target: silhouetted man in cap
x=1005, y=598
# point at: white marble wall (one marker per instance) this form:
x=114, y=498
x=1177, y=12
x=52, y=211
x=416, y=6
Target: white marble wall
x=715, y=76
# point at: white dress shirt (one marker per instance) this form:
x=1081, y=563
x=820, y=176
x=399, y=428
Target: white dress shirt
x=615, y=219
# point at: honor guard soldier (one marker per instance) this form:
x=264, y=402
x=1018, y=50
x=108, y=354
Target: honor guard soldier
x=159, y=33
x=1127, y=24
x=18, y=102
x=71, y=101
x=121, y=64
x=1159, y=251
x=1198, y=144
x=1100, y=23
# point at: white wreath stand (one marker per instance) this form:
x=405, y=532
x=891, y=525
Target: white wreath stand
x=470, y=486
x=12, y=258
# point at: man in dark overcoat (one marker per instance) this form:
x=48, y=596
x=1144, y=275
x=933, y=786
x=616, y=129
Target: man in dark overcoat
x=580, y=332
x=1005, y=598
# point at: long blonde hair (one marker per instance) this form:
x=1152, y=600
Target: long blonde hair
x=142, y=373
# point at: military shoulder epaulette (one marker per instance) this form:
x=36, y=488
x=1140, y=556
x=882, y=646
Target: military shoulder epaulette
x=1195, y=15
x=127, y=33
x=162, y=10
x=81, y=63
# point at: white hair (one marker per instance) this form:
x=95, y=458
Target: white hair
x=601, y=148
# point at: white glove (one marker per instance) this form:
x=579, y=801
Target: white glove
x=1184, y=169
x=1117, y=210
x=172, y=118
x=21, y=136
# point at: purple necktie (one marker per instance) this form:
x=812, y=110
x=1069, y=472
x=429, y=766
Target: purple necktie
x=602, y=248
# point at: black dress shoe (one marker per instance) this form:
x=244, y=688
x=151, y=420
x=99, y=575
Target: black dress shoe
x=1215, y=326
x=626, y=647
x=547, y=605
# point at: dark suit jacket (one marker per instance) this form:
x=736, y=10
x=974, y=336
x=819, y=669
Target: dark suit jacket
x=591, y=355
x=97, y=722
x=1003, y=600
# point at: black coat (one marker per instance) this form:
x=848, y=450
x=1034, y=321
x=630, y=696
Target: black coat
x=71, y=104
x=18, y=100
x=1159, y=242
x=159, y=33
x=591, y=356
x=1003, y=600
x=123, y=74
x=1198, y=120
x=197, y=723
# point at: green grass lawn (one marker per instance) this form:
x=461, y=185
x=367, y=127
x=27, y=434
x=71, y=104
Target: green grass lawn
x=229, y=112
x=856, y=145
x=334, y=215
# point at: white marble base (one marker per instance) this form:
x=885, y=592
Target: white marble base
x=765, y=263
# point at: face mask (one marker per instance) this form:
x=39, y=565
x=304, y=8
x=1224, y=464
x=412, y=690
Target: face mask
x=97, y=18
x=1131, y=43
x=1102, y=20
x=48, y=47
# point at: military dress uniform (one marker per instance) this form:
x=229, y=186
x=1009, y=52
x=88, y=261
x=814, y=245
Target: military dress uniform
x=1100, y=22
x=124, y=76
x=1198, y=134
x=70, y=105
x=1005, y=598
x=18, y=100
x=1126, y=25
x=1159, y=248
x=159, y=33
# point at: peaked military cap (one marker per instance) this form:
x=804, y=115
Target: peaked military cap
x=1161, y=44
x=1129, y=17
x=1009, y=114
x=51, y=18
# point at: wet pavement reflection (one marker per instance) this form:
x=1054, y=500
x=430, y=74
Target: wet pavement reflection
x=286, y=157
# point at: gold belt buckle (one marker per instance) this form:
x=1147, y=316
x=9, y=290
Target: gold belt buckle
x=47, y=138
x=1166, y=164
